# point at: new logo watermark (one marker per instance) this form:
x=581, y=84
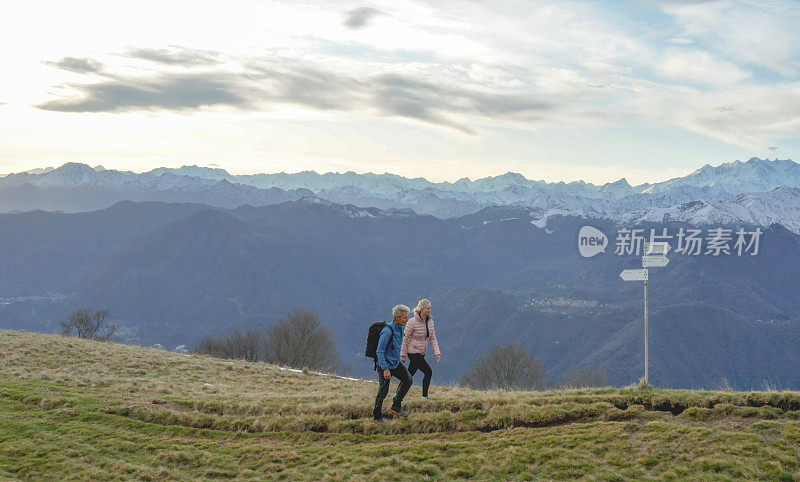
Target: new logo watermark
x=687, y=241
x=591, y=241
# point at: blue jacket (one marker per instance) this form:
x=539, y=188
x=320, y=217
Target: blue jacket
x=388, y=354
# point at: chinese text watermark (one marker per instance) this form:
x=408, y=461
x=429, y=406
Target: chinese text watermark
x=686, y=241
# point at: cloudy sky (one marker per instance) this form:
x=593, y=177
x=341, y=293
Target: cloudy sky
x=564, y=90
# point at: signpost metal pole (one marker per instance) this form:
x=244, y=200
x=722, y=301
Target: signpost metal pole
x=646, y=327
x=646, y=344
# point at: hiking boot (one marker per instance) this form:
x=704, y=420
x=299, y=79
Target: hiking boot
x=379, y=421
x=399, y=412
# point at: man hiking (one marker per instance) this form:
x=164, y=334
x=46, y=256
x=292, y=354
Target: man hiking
x=388, y=365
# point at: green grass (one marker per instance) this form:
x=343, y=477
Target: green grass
x=72, y=408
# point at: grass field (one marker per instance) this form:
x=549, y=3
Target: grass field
x=73, y=408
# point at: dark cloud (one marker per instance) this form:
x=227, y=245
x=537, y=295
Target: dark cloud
x=773, y=148
x=309, y=86
x=269, y=82
x=423, y=100
x=175, y=56
x=392, y=95
x=78, y=65
x=167, y=92
x=359, y=18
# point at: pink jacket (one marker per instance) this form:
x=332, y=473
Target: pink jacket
x=414, y=338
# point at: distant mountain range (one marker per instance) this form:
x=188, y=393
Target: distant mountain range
x=79, y=188
x=757, y=191
x=172, y=272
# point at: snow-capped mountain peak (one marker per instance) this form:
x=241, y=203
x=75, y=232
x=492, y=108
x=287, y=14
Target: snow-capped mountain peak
x=754, y=175
x=70, y=174
x=617, y=189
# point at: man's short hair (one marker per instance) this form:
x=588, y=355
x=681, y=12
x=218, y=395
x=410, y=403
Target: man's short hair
x=399, y=310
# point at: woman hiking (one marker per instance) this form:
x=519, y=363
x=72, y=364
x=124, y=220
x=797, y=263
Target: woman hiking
x=419, y=330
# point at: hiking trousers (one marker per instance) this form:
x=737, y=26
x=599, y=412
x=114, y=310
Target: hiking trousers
x=401, y=373
x=417, y=362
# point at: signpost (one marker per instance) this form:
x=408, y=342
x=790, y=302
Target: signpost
x=655, y=256
x=658, y=261
x=634, y=275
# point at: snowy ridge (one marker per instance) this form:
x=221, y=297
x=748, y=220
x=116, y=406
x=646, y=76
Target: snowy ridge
x=73, y=175
x=757, y=191
x=781, y=205
x=754, y=175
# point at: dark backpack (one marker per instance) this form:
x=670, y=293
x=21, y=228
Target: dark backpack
x=374, y=335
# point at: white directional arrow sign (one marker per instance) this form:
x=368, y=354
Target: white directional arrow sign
x=654, y=261
x=634, y=275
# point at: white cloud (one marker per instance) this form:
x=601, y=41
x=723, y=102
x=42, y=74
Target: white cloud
x=755, y=33
x=700, y=66
x=747, y=116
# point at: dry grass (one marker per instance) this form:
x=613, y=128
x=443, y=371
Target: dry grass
x=83, y=409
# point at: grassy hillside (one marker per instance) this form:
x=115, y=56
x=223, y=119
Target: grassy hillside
x=82, y=409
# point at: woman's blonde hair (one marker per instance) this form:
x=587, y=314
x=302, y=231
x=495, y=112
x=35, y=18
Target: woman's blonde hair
x=421, y=306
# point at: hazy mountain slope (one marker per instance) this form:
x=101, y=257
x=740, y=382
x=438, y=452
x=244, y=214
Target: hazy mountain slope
x=172, y=273
x=41, y=251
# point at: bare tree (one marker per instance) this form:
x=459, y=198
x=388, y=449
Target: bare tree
x=593, y=377
x=250, y=346
x=84, y=324
x=212, y=346
x=507, y=368
x=301, y=341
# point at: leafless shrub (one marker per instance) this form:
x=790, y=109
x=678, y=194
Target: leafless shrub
x=84, y=324
x=594, y=377
x=211, y=345
x=507, y=368
x=250, y=346
x=301, y=341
